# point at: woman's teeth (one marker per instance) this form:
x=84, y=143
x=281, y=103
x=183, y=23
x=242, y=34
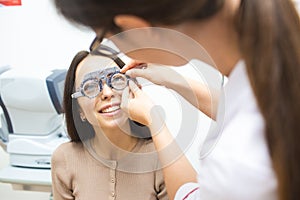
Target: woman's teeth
x=110, y=109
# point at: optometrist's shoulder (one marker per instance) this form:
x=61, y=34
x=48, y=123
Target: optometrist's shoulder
x=257, y=154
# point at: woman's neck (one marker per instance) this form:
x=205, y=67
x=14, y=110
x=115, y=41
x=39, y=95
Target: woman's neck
x=113, y=143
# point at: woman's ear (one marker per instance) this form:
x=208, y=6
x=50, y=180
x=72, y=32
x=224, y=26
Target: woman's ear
x=126, y=22
x=82, y=116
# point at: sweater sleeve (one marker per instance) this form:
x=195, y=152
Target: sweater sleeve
x=61, y=179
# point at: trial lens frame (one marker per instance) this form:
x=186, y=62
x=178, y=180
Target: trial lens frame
x=106, y=51
x=97, y=76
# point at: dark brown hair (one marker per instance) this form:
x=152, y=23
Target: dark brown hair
x=269, y=33
x=270, y=43
x=79, y=130
x=95, y=13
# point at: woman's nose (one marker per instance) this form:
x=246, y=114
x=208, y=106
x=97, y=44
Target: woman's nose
x=106, y=93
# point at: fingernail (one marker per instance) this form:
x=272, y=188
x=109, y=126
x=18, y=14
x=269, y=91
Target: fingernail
x=128, y=73
x=143, y=66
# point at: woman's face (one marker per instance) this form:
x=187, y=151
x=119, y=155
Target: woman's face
x=102, y=111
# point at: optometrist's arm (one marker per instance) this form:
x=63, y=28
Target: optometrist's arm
x=198, y=94
x=177, y=170
x=195, y=92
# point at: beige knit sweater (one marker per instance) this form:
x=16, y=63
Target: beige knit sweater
x=77, y=174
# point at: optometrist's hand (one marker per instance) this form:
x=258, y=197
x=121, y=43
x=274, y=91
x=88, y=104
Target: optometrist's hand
x=140, y=108
x=157, y=74
x=194, y=91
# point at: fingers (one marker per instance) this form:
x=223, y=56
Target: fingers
x=125, y=100
x=129, y=93
x=133, y=73
x=134, y=88
x=131, y=64
x=125, y=94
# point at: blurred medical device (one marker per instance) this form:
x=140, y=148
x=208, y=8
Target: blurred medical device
x=31, y=124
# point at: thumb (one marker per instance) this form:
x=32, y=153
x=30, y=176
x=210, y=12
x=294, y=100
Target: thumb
x=125, y=100
x=134, y=88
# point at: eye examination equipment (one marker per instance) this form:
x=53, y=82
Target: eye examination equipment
x=31, y=123
x=91, y=86
x=109, y=52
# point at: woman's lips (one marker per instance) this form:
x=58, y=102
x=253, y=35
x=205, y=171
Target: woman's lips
x=110, y=110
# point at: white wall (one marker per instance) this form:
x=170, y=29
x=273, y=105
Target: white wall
x=34, y=36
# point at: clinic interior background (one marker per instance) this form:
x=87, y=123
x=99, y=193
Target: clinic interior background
x=33, y=37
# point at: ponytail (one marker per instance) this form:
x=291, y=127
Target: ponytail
x=270, y=43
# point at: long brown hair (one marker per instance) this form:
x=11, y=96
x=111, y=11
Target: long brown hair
x=269, y=32
x=270, y=43
x=78, y=130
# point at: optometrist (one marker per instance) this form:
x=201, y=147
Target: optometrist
x=256, y=44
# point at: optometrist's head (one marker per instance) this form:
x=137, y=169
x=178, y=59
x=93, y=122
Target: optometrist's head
x=151, y=31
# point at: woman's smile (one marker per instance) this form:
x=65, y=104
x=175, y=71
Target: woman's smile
x=110, y=110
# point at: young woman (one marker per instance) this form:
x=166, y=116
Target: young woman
x=257, y=45
x=109, y=156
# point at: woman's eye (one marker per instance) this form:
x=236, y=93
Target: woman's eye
x=119, y=81
x=109, y=75
x=91, y=88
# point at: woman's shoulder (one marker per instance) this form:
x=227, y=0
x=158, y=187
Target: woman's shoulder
x=67, y=149
x=70, y=146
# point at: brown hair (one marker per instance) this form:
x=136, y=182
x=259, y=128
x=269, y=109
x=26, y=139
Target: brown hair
x=71, y=107
x=270, y=43
x=269, y=33
x=95, y=13
x=79, y=130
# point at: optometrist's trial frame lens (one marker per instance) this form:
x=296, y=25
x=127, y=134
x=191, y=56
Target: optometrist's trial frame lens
x=93, y=83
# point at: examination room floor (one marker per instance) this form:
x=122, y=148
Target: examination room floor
x=6, y=191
